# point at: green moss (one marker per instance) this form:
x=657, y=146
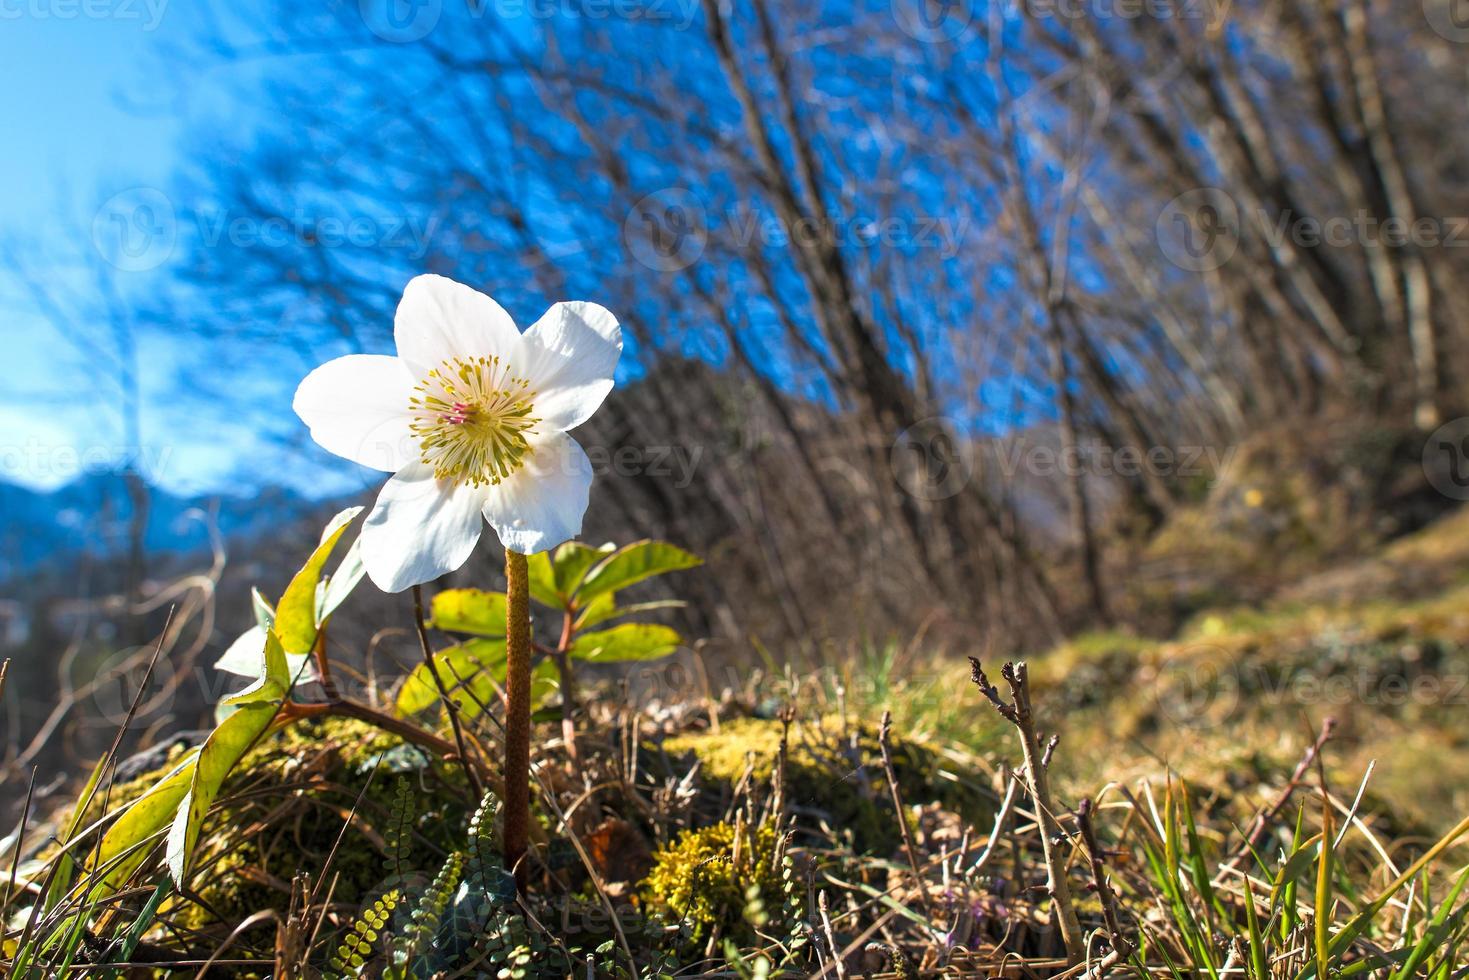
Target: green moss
x=702, y=878
x=834, y=774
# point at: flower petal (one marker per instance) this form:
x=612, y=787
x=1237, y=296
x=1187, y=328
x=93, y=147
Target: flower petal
x=440, y=319
x=421, y=528
x=568, y=356
x=357, y=408
x=542, y=503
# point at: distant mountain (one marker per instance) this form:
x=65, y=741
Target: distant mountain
x=50, y=528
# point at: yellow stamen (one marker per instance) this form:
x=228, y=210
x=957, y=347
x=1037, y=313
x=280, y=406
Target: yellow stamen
x=471, y=418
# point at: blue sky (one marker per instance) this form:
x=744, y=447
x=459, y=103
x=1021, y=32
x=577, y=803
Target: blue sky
x=93, y=109
x=100, y=109
x=74, y=121
x=68, y=120
x=100, y=105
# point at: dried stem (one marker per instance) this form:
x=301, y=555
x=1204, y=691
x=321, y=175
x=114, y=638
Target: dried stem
x=1266, y=817
x=884, y=742
x=1121, y=944
x=833, y=946
x=449, y=705
x=409, y=732
x=782, y=757
x=562, y=656
x=517, y=714
x=1018, y=712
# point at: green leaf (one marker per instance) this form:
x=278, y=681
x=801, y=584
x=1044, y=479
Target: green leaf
x=470, y=672
x=605, y=607
x=120, y=851
x=630, y=641
x=295, y=614
x=221, y=751
x=1294, y=867
x=471, y=611
x=1323, y=897
x=264, y=615
x=632, y=564
x=1259, y=955
x=456, y=663
x=1436, y=931
x=334, y=590
x=571, y=562
x=143, y=921
x=542, y=580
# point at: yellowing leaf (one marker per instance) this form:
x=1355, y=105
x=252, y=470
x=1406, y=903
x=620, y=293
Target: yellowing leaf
x=630, y=641
x=217, y=758
x=295, y=614
x=455, y=664
x=122, y=848
x=470, y=611
x=605, y=607
x=470, y=671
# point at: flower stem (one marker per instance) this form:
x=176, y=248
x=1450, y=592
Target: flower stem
x=517, y=713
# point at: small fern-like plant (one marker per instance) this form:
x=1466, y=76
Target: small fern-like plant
x=466, y=918
x=411, y=949
x=798, y=929
x=399, y=832
x=357, y=947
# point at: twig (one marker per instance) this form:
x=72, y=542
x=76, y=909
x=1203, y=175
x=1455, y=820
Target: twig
x=1121, y=944
x=1011, y=783
x=347, y=708
x=20, y=839
x=562, y=656
x=1265, y=817
x=449, y=705
x=1018, y=712
x=831, y=939
x=782, y=755
x=563, y=817
x=884, y=742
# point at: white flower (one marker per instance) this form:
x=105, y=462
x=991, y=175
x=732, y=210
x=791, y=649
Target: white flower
x=471, y=419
